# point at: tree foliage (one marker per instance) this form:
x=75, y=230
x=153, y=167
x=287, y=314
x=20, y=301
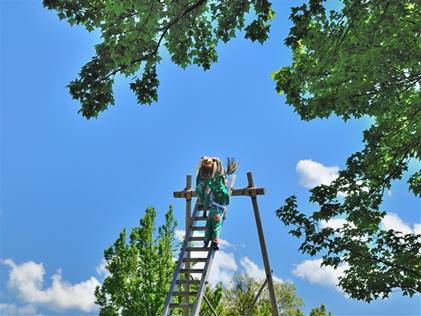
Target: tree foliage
x=214, y=295
x=238, y=300
x=133, y=32
x=363, y=60
x=140, y=269
x=320, y=311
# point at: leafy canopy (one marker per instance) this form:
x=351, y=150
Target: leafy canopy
x=320, y=311
x=134, y=30
x=140, y=269
x=238, y=300
x=364, y=60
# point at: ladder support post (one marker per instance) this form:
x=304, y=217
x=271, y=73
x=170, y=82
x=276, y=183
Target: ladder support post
x=188, y=196
x=210, y=305
x=258, y=295
x=265, y=256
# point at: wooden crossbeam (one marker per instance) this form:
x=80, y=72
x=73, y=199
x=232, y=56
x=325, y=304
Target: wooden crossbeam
x=249, y=191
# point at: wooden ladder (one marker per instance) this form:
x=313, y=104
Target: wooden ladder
x=183, y=270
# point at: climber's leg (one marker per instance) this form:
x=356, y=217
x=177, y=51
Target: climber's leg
x=217, y=225
x=208, y=231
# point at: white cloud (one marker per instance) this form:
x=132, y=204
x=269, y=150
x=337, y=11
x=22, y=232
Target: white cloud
x=101, y=269
x=312, y=271
x=334, y=223
x=224, y=243
x=223, y=268
x=179, y=234
x=313, y=173
x=252, y=270
x=390, y=221
x=27, y=281
x=14, y=310
x=393, y=221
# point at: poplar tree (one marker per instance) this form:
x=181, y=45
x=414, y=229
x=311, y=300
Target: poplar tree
x=140, y=269
x=320, y=311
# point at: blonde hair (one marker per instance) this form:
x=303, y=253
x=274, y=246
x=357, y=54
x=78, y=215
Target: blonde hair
x=217, y=167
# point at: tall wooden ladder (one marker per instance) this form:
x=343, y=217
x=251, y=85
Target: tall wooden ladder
x=183, y=270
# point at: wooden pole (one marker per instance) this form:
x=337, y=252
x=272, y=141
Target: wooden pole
x=257, y=296
x=268, y=272
x=188, y=191
x=210, y=306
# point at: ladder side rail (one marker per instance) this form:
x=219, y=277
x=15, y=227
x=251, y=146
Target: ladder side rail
x=179, y=264
x=201, y=290
x=208, y=264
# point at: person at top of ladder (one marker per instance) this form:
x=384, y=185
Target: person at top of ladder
x=211, y=189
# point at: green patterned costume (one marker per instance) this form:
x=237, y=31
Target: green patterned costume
x=211, y=189
x=213, y=194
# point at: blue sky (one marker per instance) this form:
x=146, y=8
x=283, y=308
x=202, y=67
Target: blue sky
x=68, y=185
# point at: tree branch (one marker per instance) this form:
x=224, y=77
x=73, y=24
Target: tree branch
x=185, y=12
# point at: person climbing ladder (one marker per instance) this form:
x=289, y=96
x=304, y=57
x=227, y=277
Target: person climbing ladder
x=211, y=189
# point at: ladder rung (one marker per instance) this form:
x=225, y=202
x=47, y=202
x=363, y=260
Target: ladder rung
x=200, y=218
x=192, y=270
x=182, y=293
x=180, y=305
x=202, y=228
x=197, y=249
x=194, y=259
x=188, y=281
x=197, y=238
